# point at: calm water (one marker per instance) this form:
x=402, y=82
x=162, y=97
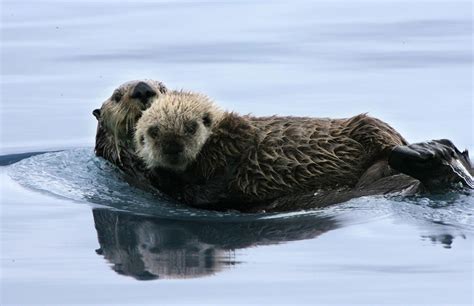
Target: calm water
x=73, y=233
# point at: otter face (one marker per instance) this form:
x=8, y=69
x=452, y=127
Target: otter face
x=123, y=109
x=119, y=113
x=172, y=132
x=174, y=147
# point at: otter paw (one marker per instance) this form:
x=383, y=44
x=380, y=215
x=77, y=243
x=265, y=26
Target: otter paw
x=438, y=164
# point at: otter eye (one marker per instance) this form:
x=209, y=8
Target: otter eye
x=190, y=127
x=117, y=96
x=153, y=131
x=142, y=140
x=206, y=119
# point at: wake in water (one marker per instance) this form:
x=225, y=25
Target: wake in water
x=148, y=236
x=80, y=176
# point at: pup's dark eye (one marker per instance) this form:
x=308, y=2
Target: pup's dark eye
x=190, y=127
x=206, y=119
x=117, y=96
x=142, y=140
x=153, y=131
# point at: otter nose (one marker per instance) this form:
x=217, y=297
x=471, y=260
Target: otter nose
x=173, y=147
x=142, y=92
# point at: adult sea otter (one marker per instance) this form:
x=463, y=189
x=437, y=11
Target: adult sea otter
x=411, y=169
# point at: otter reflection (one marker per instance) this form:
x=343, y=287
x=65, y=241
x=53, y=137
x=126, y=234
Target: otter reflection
x=150, y=248
x=446, y=240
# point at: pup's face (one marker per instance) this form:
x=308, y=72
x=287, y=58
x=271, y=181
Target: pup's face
x=174, y=142
x=173, y=131
x=120, y=112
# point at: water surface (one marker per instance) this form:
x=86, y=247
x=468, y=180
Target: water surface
x=72, y=232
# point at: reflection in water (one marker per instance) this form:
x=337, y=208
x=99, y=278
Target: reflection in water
x=150, y=248
x=446, y=240
x=202, y=243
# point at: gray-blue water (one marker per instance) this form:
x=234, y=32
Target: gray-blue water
x=72, y=232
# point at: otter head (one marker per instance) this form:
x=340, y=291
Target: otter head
x=172, y=132
x=118, y=115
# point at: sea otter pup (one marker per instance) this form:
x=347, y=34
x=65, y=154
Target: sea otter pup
x=117, y=118
x=256, y=159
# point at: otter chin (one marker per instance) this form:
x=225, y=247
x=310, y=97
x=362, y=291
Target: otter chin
x=170, y=155
x=172, y=132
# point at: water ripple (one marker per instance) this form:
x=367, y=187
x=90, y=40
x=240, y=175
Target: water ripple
x=79, y=175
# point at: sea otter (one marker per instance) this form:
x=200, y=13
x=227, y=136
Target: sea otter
x=117, y=118
x=423, y=163
x=256, y=159
x=116, y=124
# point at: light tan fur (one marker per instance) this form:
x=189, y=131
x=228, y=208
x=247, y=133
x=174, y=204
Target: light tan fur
x=170, y=114
x=260, y=158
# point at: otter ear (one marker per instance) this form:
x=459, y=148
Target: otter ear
x=96, y=113
x=163, y=88
x=207, y=120
x=465, y=154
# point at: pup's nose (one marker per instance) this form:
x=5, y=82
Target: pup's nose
x=173, y=147
x=142, y=92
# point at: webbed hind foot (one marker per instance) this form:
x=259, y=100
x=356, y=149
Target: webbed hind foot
x=438, y=164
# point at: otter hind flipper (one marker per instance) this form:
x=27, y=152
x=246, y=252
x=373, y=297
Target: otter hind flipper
x=438, y=164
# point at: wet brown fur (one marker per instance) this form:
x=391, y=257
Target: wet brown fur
x=265, y=151
x=254, y=159
x=274, y=156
